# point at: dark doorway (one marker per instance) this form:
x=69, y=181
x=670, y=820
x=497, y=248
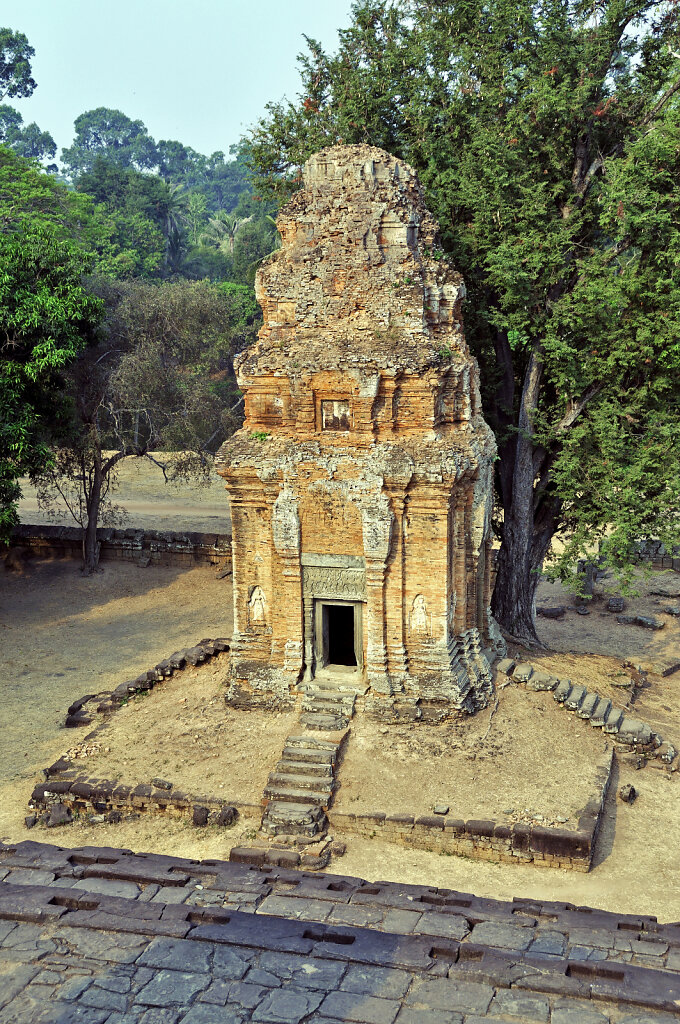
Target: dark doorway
x=339, y=628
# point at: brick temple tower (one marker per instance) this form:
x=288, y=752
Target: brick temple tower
x=360, y=483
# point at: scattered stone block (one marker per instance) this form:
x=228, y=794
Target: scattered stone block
x=582, y=609
x=506, y=666
x=666, y=753
x=440, y=809
x=200, y=815
x=644, y=621
x=161, y=784
x=562, y=690
x=672, y=609
x=59, y=815
x=523, y=672
x=558, y=612
x=226, y=816
x=615, y=604
x=628, y=793
x=633, y=731
x=30, y=820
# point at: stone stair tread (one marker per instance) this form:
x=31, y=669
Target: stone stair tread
x=321, y=785
x=588, y=705
x=291, y=767
x=290, y=811
x=287, y=794
x=323, y=722
x=313, y=742
x=614, y=719
x=321, y=700
x=309, y=755
x=576, y=697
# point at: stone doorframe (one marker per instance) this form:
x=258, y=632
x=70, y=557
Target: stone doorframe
x=331, y=579
x=321, y=641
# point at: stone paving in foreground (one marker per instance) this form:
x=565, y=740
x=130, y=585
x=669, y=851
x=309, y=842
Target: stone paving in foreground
x=103, y=936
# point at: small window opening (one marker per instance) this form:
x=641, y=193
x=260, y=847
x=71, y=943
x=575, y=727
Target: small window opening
x=335, y=414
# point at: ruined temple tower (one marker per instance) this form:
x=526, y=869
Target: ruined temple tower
x=360, y=483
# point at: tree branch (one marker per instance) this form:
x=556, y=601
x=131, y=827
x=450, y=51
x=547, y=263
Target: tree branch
x=661, y=103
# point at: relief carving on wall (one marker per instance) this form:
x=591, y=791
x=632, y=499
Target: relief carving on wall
x=257, y=608
x=343, y=584
x=419, y=619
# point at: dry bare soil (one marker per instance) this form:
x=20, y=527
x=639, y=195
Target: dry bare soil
x=63, y=634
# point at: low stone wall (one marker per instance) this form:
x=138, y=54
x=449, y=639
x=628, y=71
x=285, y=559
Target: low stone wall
x=489, y=840
x=149, y=547
x=114, y=799
x=655, y=552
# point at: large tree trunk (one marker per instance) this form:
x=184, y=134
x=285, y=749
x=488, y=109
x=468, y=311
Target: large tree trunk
x=91, y=545
x=93, y=500
x=528, y=521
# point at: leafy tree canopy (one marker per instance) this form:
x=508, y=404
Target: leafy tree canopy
x=16, y=54
x=46, y=317
x=110, y=132
x=548, y=140
x=26, y=140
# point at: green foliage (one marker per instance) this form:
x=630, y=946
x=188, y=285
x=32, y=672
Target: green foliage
x=46, y=317
x=548, y=143
x=28, y=140
x=125, y=142
x=16, y=54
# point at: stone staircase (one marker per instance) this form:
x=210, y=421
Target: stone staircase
x=327, y=707
x=300, y=789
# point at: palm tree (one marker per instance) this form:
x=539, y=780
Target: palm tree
x=222, y=230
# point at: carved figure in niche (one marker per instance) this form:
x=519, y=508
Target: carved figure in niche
x=420, y=620
x=257, y=607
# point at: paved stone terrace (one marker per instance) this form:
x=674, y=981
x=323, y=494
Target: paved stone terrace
x=103, y=936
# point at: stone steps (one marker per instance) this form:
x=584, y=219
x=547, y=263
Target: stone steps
x=314, y=782
x=283, y=817
x=312, y=743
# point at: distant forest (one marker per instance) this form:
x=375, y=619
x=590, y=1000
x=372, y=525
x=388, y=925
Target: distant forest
x=126, y=288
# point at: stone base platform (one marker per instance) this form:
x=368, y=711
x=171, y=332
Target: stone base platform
x=106, y=936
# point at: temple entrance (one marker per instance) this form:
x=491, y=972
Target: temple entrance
x=339, y=628
x=338, y=634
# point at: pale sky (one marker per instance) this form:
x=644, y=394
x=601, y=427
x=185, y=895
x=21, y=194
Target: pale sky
x=200, y=71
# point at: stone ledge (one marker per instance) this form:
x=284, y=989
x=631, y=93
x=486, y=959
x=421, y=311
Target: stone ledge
x=489, y=840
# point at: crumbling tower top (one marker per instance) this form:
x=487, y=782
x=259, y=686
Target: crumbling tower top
x=360, y=277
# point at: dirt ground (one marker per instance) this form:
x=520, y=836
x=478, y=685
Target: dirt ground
x=183, y=732
x=63, y=634
x=533, y=762
x=600, y=633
